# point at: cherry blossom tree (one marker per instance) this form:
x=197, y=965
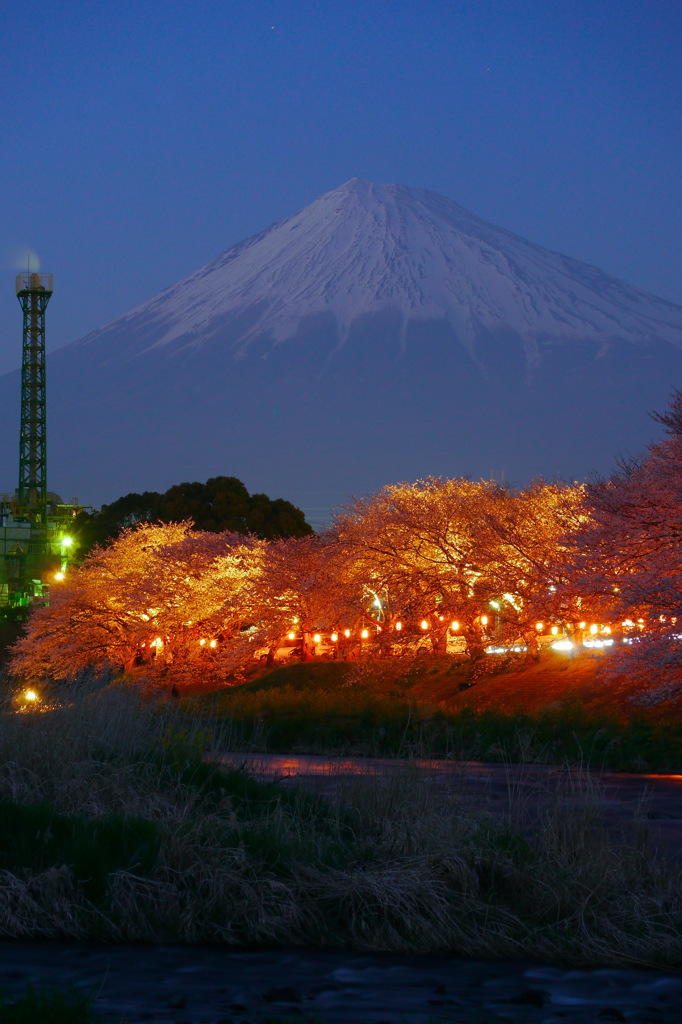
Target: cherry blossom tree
x=306, y=585
x=150, y=597
x=429, y=548
x=532, y=528
x=627, y=558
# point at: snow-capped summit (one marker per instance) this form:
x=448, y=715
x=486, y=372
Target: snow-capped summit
x=365, y=249
x=382, y=333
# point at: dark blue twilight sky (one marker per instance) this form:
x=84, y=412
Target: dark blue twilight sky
x=141, y=138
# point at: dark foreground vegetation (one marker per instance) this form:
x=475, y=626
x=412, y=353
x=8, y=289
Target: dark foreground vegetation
x=114, y=827
x=44, y=1007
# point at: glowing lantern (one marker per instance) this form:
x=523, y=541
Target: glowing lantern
x=292, y=636
x=484, y=620
x=364, y=634
x=424, y=624
x=31, y=696
x=335, y=637
x=555, y=630
x=59, y=575
x=346, y=632
x=454, y=626
x=539, y=626
x=398, y=626
x=316, y=638
x=214, y=643
x=593, y=628
x=201, y=643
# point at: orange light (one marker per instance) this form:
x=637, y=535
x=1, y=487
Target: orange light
x=555, y=630
x=484, y=620
x=364, y=634
x=316, y=638
x=335, y=637
x=581, y=625
x=214, y=643
x=454, y=626
x=201, y=643
x=292, y=636
x=606, y=629
x=539, y=626
x=346, y=632
x=440, y=618
x=398, y=626
x=424, y=624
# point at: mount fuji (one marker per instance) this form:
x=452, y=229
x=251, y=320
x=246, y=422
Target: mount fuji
x=383, y=333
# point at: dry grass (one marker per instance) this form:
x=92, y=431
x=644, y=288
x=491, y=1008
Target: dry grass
x=386, y=863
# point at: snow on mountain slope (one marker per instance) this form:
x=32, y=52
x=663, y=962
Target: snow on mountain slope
x=382, y=333
x=365, y=249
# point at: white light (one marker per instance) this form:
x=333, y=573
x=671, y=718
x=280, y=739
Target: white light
x=562, y=645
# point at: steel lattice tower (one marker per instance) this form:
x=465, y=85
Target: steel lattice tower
x=34, y=292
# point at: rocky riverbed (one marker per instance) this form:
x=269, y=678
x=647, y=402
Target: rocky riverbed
x=207, y=985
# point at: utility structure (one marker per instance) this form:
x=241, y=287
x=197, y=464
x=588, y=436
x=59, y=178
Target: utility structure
x=35, y=546
x=27, y=562
x=34, y=292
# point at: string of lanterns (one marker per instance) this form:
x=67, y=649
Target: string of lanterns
x=424, y=625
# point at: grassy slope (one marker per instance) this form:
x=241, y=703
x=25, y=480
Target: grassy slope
x=554, y=711
x=504, y=685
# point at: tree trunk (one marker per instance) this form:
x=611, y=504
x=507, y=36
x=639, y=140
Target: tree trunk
x=439, y=638
x=306, y=645
x=531, y=638
x=473, y=635
x=272, y=651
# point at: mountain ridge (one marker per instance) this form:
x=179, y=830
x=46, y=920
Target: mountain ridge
x=365, y=248
x=380, y=334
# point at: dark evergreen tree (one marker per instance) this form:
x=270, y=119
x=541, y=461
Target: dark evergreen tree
x=222, y=503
